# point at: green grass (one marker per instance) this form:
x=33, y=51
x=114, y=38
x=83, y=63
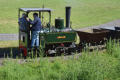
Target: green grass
x=96, y=66
x=84, y=12
x=6, y=44
x=87, y=67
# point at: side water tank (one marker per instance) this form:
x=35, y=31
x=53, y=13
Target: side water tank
x=59, y=23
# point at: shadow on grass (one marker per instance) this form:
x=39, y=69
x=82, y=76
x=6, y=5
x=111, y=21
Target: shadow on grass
x=9, y=52
x=13, y=52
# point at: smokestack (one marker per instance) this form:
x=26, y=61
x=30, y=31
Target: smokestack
x=68, y=13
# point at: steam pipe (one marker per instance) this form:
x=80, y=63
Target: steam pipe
x=68, y=13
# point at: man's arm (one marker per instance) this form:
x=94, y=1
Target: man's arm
x=33, y=22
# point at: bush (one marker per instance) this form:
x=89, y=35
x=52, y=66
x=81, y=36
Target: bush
x=96, y=66
x=86, y=67
x=113, y=48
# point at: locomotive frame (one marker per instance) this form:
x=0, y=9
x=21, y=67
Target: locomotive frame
x=50, y=41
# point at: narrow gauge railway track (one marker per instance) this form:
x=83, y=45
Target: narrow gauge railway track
x=52, y=58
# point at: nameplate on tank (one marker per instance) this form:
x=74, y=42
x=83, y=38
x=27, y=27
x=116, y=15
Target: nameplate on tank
x=61, y=37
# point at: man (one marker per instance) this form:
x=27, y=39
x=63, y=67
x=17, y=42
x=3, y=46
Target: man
x=23, y=23
x=36, y=27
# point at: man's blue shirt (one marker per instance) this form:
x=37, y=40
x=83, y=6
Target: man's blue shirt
x=36, y=24
x=23, y=23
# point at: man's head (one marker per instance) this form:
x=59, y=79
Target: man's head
x=24, y=15
x=35, y=15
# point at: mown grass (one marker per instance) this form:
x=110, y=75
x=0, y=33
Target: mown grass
x=10, y=44
x=95, y=66
x=84, y=12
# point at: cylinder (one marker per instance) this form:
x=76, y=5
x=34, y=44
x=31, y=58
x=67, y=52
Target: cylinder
x=68, y=13
x=59, y=23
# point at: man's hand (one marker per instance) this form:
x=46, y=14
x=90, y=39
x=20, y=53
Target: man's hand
x=27, y=19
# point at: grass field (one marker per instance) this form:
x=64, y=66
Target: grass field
x=5, y=44
x=84, y=12
x=95, y=66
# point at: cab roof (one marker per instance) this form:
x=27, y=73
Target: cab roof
x=35, y=9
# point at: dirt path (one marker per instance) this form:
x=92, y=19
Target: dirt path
x=7, y=37
x=112, y=23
